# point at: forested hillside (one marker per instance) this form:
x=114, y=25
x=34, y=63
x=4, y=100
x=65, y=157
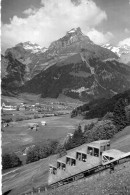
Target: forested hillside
x=98, y=108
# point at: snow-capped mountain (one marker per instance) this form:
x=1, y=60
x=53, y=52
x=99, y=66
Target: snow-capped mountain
x=123, y=51
x=29, y=54
x=72, y=65
x=37, y=58
x=33, y=48
x=112, y=48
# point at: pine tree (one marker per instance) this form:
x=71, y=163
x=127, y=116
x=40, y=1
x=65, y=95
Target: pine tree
x=119, y=115
x=77, y=138
x=61, y=150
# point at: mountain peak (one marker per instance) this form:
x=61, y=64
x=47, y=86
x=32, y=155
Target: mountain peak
x=75, y=30
x=72, y=37
x=33, y=47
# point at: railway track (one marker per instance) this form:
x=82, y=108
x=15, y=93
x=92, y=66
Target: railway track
x=82, y=175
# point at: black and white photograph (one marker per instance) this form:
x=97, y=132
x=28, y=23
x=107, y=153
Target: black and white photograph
x=65, y=97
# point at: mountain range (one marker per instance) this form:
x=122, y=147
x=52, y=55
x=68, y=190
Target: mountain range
x=122, y=51
x=72, y=65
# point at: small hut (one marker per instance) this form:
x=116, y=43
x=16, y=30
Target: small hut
x=43, y=123
x=33, y=126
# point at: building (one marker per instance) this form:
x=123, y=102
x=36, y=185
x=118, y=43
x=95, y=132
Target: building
x=80, y=159
x=43, y=123
x=8, y=107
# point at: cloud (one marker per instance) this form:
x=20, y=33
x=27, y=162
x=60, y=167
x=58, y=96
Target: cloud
x=51, y=22
x=125, y=42
x=127, y=30
x=30, y=11
x=99, y=37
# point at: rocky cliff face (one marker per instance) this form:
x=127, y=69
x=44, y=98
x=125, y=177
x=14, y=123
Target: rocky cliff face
x=28, y=54
x=13, y=74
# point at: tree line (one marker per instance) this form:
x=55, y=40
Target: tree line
x=99, y=107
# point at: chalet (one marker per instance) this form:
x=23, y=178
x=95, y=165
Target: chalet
x=43, y=123
x=8, y=106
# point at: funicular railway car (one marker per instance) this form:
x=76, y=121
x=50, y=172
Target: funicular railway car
x=83, y=161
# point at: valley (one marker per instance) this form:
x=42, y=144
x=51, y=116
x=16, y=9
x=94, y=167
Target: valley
x=65, y=97
x=56, y=113
x=18, y=136
x=57, y=98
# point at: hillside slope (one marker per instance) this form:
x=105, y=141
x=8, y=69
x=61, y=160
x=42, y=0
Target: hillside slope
x=104, y=184
x=98, y=108
x=81, y=78
x=36, y=174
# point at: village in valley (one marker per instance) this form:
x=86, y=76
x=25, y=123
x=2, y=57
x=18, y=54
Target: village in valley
x=31, y=120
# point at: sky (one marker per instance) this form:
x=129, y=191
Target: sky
x=44, y=21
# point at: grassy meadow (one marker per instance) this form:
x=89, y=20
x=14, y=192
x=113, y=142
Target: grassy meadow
x=18, y=134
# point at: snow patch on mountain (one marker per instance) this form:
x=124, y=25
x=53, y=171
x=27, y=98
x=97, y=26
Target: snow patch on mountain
x=119, y=50
x=75, y=30
x=80, y=90
x=35, y=48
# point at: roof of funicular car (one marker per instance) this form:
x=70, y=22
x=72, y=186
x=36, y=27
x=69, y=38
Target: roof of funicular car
x=113, y=153
x=97, y=144
x=82, y=149
x=71, y=154
x=53, y=164
x=62, y=159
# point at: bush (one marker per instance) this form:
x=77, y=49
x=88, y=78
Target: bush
x=10, y=160
x=42, y=151
x=36, y=116
x=19, y=119
x=8, y=120
x=89, y=127
x=102, y=130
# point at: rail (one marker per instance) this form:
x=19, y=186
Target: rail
x=89, y=173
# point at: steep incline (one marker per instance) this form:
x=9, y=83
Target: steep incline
x=81, y=77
